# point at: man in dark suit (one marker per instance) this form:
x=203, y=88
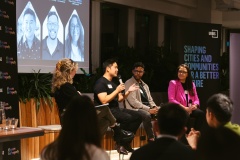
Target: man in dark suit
x=172, y=121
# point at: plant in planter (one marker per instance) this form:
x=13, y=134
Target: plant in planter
x=37, y=86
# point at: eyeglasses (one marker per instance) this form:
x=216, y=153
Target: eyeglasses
x=74, y=27
x=140, y=72
x=51, y=24
x=183, y=72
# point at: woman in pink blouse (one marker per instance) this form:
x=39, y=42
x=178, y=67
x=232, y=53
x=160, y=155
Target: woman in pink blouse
x=182, y=91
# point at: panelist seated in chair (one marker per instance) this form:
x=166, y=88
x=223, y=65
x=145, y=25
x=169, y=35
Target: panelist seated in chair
x=183, y=91
x=106, y=91
x=64, y=91
x=141, y=100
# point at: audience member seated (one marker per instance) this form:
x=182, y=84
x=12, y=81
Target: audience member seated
x=141, y=100
x=64, y=91
x=77, y=139
x=106, y=91
x=218, y=114
x=172, y=120
x=218, y=143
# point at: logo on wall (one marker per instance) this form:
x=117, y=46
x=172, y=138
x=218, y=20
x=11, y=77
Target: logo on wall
x=213, y=33
x=9, y=30
x=12, y=151
x=4, y=75
x=10, y=60
x=11, y=90
x=9, y=2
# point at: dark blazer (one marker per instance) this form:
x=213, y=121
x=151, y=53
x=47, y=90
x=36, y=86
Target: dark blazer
x=164, y=149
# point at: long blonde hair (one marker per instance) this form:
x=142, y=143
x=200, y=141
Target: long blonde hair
x=62, y=72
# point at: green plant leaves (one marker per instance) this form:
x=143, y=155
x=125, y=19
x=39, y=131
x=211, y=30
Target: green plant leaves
x=35, y=85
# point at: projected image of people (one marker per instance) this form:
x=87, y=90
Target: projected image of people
x=29, y=44
x=52, y=48
x=74, y=45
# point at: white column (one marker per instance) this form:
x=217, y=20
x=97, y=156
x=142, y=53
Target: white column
x=131, y=27
x=161, y=24
x=235, y=75
x=96, y=33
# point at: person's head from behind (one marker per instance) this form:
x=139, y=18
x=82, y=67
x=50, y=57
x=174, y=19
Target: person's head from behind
x=64, y=72
x=80, y=120
x=79, y=127
x=172, y=120
x=138, y=70
x=219, y=110
x=52, y=25
x=29, y=24
x=110, y=67
x=218, y=143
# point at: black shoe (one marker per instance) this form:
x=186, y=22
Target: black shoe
x=128, y=147
x=121, y=150
x=122, y=135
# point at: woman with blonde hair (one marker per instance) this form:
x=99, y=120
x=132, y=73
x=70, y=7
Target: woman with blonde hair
x=62, y=83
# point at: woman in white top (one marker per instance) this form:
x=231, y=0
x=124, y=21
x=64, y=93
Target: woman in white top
x=79, y=138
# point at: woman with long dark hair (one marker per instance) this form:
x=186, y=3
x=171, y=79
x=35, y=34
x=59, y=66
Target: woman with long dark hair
x=79, y=138
x=183, y=91
x=74, y=47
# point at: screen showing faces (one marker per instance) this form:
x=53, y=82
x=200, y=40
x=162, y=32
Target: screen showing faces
x=49, y=30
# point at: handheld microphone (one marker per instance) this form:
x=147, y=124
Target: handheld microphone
x=186, y=94
x=120, y=79
x=190, y=103
x=121, y=82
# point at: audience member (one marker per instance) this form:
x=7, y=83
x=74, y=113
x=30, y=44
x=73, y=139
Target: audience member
x=106, y=91
x=74, y=47
x=77, y=139
x=172, y=120
x=52, y=48
x=64, y=91
x=218, y=114
x=218, y=143
x=29, y=45
x=141, y=100
x=182, y=91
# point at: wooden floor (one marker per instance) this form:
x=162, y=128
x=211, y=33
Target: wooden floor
x=113, y=154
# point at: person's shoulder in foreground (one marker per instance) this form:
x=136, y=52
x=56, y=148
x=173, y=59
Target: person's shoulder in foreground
x=172, y=121
x=164, y=149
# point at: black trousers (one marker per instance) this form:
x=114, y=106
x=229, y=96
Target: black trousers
x=197, y=120
x=129, y=120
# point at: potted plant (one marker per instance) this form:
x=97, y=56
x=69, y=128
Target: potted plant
x=35, y=86
x=37, y=106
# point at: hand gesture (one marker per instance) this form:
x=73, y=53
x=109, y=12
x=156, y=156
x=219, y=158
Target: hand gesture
x=120, y=87
x=188, y=109
x=192, y=138
x=194, y=107
x=153, y=110
x=133, y=87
